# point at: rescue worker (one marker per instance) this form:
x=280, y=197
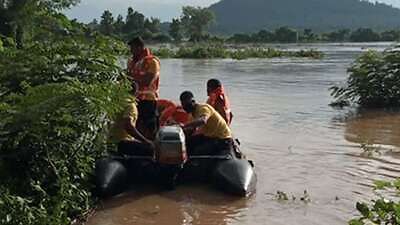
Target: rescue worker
x=218, y=99
x=144, y=71
x=215, y=137
x=123, y=132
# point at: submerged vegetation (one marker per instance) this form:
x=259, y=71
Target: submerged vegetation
x=373, y=81
x=209, y=52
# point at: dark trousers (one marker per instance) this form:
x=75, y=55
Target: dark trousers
x=202, y=145
x=134, y=148
x=148, y=118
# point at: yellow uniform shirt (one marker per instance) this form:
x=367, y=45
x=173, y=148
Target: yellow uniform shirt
x=216, y=126
x=118, y=131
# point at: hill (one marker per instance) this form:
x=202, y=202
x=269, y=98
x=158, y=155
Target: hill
x=234, y=16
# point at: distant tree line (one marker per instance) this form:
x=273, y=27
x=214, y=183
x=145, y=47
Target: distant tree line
x=134, y=23
x=194, y=22
x=289, y=35
x=192, y=25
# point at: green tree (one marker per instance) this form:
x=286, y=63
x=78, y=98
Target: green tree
x=264, y=36
x=195, y=21
x=119, y=24
x=240, y=38
x=364, y=35
x=107, y=23
x=175, y=30
x=94, y=25
x=308, y=36
x=391, y=35
x=285, y=34
x=17, y=17
x=134, y=23
x=152, y=25
x=373, y=81
x=338, y=36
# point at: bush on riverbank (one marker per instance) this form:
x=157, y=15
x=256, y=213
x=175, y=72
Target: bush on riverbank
x=210, y=52
x=374, y=81
x=56, y=101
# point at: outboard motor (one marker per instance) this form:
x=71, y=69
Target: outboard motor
x=171, y=153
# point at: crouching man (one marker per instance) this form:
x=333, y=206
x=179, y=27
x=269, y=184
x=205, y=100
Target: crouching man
x=215, y=136
x=130, y=140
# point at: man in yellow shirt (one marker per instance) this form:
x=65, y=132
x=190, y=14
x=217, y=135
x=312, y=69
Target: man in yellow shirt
x=215, y=137
x=130, y=141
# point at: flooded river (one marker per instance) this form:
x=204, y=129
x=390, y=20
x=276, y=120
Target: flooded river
x=299, y=144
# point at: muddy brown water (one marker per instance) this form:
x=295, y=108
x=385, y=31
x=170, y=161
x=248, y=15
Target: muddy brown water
x=297, y=141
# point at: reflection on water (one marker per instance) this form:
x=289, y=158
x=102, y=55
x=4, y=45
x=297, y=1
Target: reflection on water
x=297, y=141
x=377, y=127
x=186, y=205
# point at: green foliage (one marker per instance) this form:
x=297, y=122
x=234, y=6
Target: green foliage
x=79, y=57
x=195, y=21
x=51, y=137
x=219, y=51
x=107, y=23
x=390, y=35
x=135, y=24
x=176, y=30
x=373, y=81
x=58, y=95
x=20, y=18
x=337, y=36
x=202, y=52
x=364, y=35
x=380, y=211
x=286, y=35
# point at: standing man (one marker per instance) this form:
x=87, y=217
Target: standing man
x=144, y=71
x=218, y=99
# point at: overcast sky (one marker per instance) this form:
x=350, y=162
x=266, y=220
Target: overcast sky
x=87, y=10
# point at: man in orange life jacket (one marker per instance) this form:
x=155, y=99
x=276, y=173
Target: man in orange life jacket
x=144, y=71
x=218, y=99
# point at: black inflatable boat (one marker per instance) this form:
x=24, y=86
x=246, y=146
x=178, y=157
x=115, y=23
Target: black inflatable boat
x=227, y=173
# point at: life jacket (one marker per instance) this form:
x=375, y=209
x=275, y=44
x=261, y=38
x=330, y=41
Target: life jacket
x=137, y=67
x=163, y=104
x=219, y=96
x=174, y=114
